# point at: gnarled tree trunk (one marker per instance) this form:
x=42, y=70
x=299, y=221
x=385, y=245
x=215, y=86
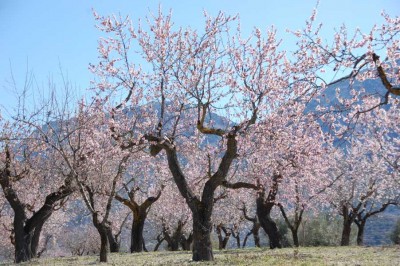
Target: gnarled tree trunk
x=264, y=207
x=27, y=231
x=201, y=208
x=139, y=217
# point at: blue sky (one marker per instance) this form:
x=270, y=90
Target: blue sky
x=44, y=35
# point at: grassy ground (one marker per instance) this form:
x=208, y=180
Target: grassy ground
x=303, y=256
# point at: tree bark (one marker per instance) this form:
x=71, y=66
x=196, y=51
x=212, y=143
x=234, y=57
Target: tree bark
x=112, y=240
x=362, y=217
x=102, y=229
x=269, y=226
x=360, y=232
x=245, y=239
x=346, y=231
x=186, y=242
x=254, y=230
x=202, y=246
x=137, y=235
x=348, y=219
x=237, y=237
x=35, y=238
x=295, y=238
x=256, y=236
x=159, y=241
x=22, y=250
x=104, y=245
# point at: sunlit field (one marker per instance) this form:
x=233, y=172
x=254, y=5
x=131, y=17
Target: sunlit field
x=286, y=256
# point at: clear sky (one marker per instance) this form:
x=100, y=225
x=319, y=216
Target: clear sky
x=44, y=35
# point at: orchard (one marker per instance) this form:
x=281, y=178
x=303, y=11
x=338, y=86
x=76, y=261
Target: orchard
x=194, y=139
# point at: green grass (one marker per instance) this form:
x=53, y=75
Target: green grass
x=379, y=256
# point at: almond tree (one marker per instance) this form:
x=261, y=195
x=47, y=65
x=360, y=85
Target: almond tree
x=187, y=76
x=172, y=219
x=351, y=58
x=228, y=219
x=102, y=166
x=254, y=229
x=28, y=164
x=143, y=187
x=369, y=186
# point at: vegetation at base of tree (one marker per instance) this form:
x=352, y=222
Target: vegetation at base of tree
x=395, y=234
x=371, y=256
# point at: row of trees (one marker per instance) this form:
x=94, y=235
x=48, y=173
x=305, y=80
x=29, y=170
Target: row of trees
x=195, y=126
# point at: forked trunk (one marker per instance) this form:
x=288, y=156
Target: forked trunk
x=269, y=226
x=186, y=242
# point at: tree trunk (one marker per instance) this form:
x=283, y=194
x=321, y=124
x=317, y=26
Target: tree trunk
x=137, y=235
x=102, y=229
x=256, y=236
x=346, y=233
x=104, y=245
x=222, y=240
x=22, y=250
x=173, y=245
x=159, y=241
x=360, y=233
x=114, y=245
x=202, y=246
x=245, y=239
x=295, y=238
x=35, y=239
x=237, y=237
x=269, y=226
x=186, y=242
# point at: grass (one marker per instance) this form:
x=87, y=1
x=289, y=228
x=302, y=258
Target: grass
x=380, y=256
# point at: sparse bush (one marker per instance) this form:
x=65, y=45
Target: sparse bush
x=322, y=230
x=395, y=234
x=82, y=241
x=284, y=233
